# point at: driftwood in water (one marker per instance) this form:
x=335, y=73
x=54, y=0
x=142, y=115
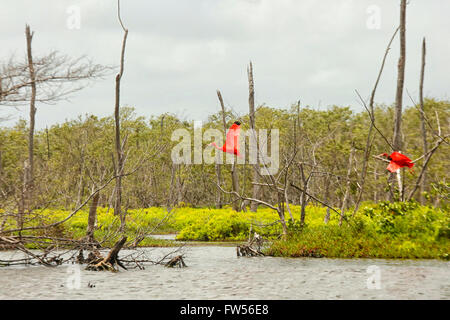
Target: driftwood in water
x=247, y=251
x=176, y=262
x=252, y=248
x=107, y=263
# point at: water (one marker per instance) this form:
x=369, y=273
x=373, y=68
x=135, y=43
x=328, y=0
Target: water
x=214, y=272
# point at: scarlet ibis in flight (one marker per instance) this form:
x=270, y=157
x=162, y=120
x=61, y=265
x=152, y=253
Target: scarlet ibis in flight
x=232, y=140
x=398, y=161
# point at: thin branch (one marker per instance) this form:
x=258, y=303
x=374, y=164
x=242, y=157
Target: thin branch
x=372, y=119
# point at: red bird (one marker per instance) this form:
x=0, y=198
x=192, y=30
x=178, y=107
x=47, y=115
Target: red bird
x=232, y=141
x=398, y=161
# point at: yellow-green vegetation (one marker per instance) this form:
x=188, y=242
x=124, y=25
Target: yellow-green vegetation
x=404, y=230
x=383, y=230
x=107, y=226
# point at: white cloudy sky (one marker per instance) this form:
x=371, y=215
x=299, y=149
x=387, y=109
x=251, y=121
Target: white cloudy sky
x=180, y=51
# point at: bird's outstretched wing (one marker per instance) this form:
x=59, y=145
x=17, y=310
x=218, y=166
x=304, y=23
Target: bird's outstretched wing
x=393, y=167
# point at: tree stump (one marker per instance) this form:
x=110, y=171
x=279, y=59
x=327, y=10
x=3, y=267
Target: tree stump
x=252, y=248
x=107, y=263
x=176, y=262
x=247, y=251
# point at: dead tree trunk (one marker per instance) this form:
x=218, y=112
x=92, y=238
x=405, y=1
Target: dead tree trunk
x=119, y=151
x=423, y=183
x=22, y=205
x=397, y=143
x=30, y=170
x=92, y=217
x=251, y=107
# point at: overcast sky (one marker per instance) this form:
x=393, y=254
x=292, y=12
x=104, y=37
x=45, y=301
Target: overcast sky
x=180, y=51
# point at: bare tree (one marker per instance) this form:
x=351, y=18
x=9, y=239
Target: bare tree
x=46, y=79
x=118, y=144
x=251, y=107
x=29, y=174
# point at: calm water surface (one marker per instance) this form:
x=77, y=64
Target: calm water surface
x=214, y=272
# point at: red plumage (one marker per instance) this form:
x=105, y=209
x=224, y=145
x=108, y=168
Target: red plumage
x=232, y=140
x=398, y=161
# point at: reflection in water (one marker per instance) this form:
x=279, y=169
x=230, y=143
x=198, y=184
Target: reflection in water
x=216, y=273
